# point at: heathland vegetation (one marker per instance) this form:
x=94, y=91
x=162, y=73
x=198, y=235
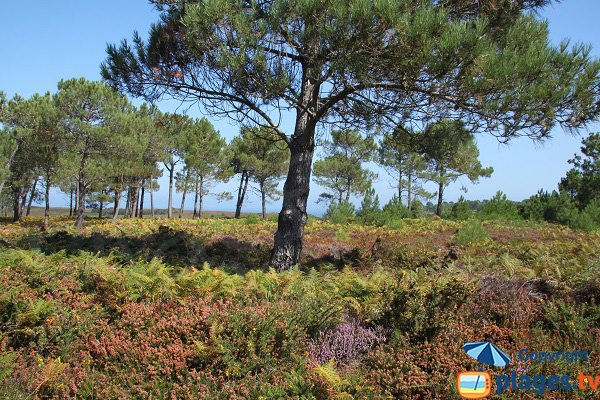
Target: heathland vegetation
x=372, y=300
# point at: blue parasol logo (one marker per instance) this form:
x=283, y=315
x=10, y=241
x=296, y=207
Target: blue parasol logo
x=487, y=353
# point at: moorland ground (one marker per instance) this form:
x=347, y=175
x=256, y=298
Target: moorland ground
x=188, y=308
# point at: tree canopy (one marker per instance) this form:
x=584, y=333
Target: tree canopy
x=359, y=63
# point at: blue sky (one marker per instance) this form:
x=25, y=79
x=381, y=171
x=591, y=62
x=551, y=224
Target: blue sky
x=45, y=41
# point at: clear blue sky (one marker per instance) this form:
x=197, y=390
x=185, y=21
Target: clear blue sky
x=43, y=42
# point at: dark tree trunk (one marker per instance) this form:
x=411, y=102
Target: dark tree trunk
x=201, y=197
x=101, y=208
x=438, y=210
x=142, y=198
x=137, y=201
x=71, y=203
x=441, y=172
x=76, y=196
x=23, y=202
x=409, y=189
x=171, y=176
x=47, y=208
x=349, y=190
x=16, y=205
x=151, y=197
x=80, y=203
x=289, y=237
x=195, y=215
x=263, y=199
x=185, y=190
x=241, y=193
x=292, y=218
x=127, y=201
x=31, y=196
x=116, y=206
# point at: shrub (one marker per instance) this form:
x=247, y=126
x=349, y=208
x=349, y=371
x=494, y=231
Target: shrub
x=471, y=232
x=417, y=209
x=394, y=211
x=369, y=212
x=345, y=344
x=499, y=208
x=340, y=213
x=460, y=210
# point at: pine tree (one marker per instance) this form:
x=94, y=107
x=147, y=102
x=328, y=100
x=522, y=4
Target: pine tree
x=342, y=171
x=86, y=107
x=451, y=152
x=359, y=62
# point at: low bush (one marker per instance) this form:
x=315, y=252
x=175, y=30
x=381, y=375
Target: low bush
x=471, y=232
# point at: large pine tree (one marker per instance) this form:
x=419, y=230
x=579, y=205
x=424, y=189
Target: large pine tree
x=486, y=62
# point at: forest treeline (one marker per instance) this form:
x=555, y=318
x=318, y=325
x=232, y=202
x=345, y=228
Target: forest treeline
x=94, y=145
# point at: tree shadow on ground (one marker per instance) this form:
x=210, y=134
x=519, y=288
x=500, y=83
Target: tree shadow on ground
x=174, y=247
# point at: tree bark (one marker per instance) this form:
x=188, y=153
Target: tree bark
x=241, y=194
x=195, y=215
x=127, y=201
x=116, y=207
x=185, y=189
x=31, y=196
x=16, y=205
x=101, y=208
x=47, y=208
x=142, y=198
x=409, y=189
x=292, y=218
x=71, y=203
x=137, y=201
x=201, y=198
x=438, y=210
x=80, y=202
x=289, y=236
x=76, y=196
x=263, y=199
x=171, y=176
x=151, y=197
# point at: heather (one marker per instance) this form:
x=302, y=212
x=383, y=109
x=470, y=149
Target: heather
x=187, y=309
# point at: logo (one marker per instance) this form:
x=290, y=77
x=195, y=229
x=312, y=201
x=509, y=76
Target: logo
x=473, y=385
x=477, y=384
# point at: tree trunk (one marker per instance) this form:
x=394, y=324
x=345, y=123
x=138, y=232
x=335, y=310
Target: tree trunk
x=47, y=209
x=101, y=208
x=238, y=206
x=71, y=203
x=116, y=207
x=185, y=189
x=241, y=193
x=76, y=196
x=195, y=215
x=151, y=197
x=292, y=218
x=31, y=196
x=137, y=201
x=23, y=202
x=349, y=189
x=127, y=201
x=263, y=199
x=80, y=203
x=438, y=210
x=142, y=198
x=409, y=189
x=171, y=176
x=16, y=204
x=201, y=197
